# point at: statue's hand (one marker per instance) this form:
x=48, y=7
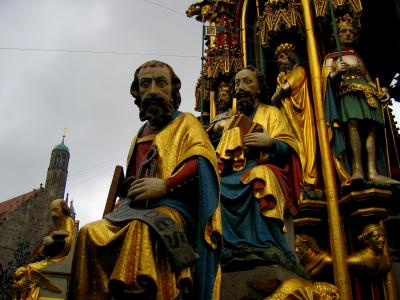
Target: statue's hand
x=257, y=139
x=48, y=240
x=384, y=95
x=147, y=189
x=340, y=66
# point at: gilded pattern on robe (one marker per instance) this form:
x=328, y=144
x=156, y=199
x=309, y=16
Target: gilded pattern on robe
x=148, y=261
x=274, y=123
x=297, y=109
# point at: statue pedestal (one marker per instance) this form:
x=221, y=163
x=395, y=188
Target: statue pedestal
x=252, y=284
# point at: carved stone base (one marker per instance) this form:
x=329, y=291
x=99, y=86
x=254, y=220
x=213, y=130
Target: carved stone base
x=253, y=284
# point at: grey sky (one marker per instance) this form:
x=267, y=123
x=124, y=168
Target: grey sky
x=42, y=92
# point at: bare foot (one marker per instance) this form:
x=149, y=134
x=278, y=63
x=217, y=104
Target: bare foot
x=383, y=179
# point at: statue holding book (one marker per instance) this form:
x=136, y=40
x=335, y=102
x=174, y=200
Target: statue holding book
x=260, y=179
x=163, y=240
x=55, y=246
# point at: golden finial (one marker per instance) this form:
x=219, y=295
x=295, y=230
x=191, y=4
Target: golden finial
x=64, y=134
x=283, y=48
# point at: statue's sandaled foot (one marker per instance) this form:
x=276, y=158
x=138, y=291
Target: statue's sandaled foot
x=382, y=179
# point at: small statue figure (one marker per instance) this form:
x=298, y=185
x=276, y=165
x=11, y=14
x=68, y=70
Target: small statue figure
x=293, y=98
x=55, y=246
x=298, y=288
x=372, y=258
x=260, y=179
x=311, y=256
x=353, y=105
x=224, y=105
x=163, y=239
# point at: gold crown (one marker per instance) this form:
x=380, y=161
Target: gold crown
x=224, y=87
x=346, y=20
x=283, y=48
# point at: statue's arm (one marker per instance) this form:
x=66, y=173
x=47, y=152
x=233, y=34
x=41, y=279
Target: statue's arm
x=279, y=152
x=153, y=188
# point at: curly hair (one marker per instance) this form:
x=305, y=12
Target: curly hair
x=262, y=84
x=64, y=206
x=368, y=230
x=176, y=83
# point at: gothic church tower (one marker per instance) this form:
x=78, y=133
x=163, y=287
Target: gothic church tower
x=57, y=172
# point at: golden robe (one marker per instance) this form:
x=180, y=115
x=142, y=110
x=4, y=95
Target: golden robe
x=231, y=147
x=30, y=278
x=131, y=257
x=298, y=110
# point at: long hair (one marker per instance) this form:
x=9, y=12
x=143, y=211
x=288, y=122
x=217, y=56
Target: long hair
x=64, y=206
x=262, y=84
x=176, y=83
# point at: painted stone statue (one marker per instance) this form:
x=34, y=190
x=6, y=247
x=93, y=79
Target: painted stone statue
x=224, y=105
x=292, y=96
x=163, y=240
x=353, y=110
x=260, y=179
x=55, y=247
x=371, y=258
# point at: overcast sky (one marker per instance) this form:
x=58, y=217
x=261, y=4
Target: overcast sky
x=43, y=92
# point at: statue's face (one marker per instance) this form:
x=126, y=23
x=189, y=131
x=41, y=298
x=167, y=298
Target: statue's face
x=284, y=63
x=377, y=241
x=283, y=58
x=246, y=89
x=56, y=210
x=155, y=82
x=155, y=91
x=223, y=101
x=346, y=35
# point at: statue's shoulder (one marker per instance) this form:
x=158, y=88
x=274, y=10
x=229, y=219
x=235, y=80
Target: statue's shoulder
x=335, y=55
x=187, y=120
x=269, y=109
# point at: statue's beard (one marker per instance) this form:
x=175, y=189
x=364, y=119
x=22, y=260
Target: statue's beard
x=245, y=102
x=156, y=110
x=223, y=106
x=286, y=67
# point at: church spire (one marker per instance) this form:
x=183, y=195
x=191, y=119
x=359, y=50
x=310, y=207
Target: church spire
x=58, y=169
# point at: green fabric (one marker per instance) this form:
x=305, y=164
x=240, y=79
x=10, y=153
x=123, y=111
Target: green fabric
x=355, y=106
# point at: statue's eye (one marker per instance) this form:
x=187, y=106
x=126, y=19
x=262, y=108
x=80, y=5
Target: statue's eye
x=145, y=83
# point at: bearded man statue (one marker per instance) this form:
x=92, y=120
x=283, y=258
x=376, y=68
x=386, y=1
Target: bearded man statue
x=163, y=239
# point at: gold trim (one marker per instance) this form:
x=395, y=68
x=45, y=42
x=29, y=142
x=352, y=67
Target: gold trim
x=366, y=194
x=306, y=221
x=370, y=211
x=145, y=139
x=313, y=203
x=213, y=107
x=336, y=232
x=244, y=31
